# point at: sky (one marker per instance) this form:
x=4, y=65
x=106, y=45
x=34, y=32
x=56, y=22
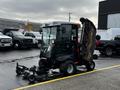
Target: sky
x=49, y=10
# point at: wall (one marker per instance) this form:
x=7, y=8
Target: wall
x=106, y=8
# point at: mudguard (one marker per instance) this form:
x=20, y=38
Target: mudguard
x=64, y=57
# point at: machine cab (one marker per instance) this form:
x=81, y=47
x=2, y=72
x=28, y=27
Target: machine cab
x=60, y=32
x=61, y=35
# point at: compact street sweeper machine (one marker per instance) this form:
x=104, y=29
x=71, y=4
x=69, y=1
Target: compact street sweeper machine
x=65, y=46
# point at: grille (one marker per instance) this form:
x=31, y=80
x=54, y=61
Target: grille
x=5, y=40
x=39, y=41
x=28, y=41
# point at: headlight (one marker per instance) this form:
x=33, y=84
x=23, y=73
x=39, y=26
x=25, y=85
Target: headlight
x=2, y=40
x=36, y=40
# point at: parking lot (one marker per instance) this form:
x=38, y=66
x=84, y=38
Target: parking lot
x=12, y=55
x=105, y=76
x=101, y=79
x=60, y=45
x=8, y=59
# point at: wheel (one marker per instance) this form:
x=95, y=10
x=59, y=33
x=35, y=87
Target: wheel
x=28, y=47
x=108, y=51
x=17, y=45
x=95, y=56
x=18, y=73
x=90, y=65
x=98, y=37
x=68, y=68
x=102, y=53
x=38, y=45
x=25, y=76
x=31, y=79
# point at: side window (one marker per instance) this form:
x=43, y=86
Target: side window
x=74, y=32
x=31, y=35
x=26, y=34
x=79, y=34
x=66, y=29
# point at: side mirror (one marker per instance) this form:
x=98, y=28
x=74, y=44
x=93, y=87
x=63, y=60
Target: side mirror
x=98, y=37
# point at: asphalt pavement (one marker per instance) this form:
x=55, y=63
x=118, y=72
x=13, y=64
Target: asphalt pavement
x=101, y=80
x=97, y=80
x=8, y=77
x=12, y=55
x=9, y=80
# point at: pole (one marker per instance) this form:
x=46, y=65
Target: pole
x=69, y=16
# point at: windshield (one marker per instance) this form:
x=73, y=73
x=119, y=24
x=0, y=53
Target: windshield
x=16, y=33
x=49, y=35
x=37, y=34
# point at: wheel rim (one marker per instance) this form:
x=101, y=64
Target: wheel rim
x=16, y=45
x=70, y=69
x=92, y=65
x=31, y=79
x=108, y=51
x=39, y=45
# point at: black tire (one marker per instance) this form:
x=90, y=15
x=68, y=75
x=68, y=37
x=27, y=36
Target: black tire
x=38, y=45
x=31, y=79
x=28, y=47
x=95, y=56
x=17, y=45
x=108, y=51
x=90, y=65
x=18, y=73
x=102, y=53
x=25, y=76
x=98, y=37
x=68, y=68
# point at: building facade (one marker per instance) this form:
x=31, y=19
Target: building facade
x=109, y=14
x=9, y=23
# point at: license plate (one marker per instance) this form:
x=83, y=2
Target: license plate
x=6, y=44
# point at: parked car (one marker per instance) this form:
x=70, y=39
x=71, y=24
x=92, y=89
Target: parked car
x=5, y=41
x=37, y=37
x=108, y=47
x=19, y=40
